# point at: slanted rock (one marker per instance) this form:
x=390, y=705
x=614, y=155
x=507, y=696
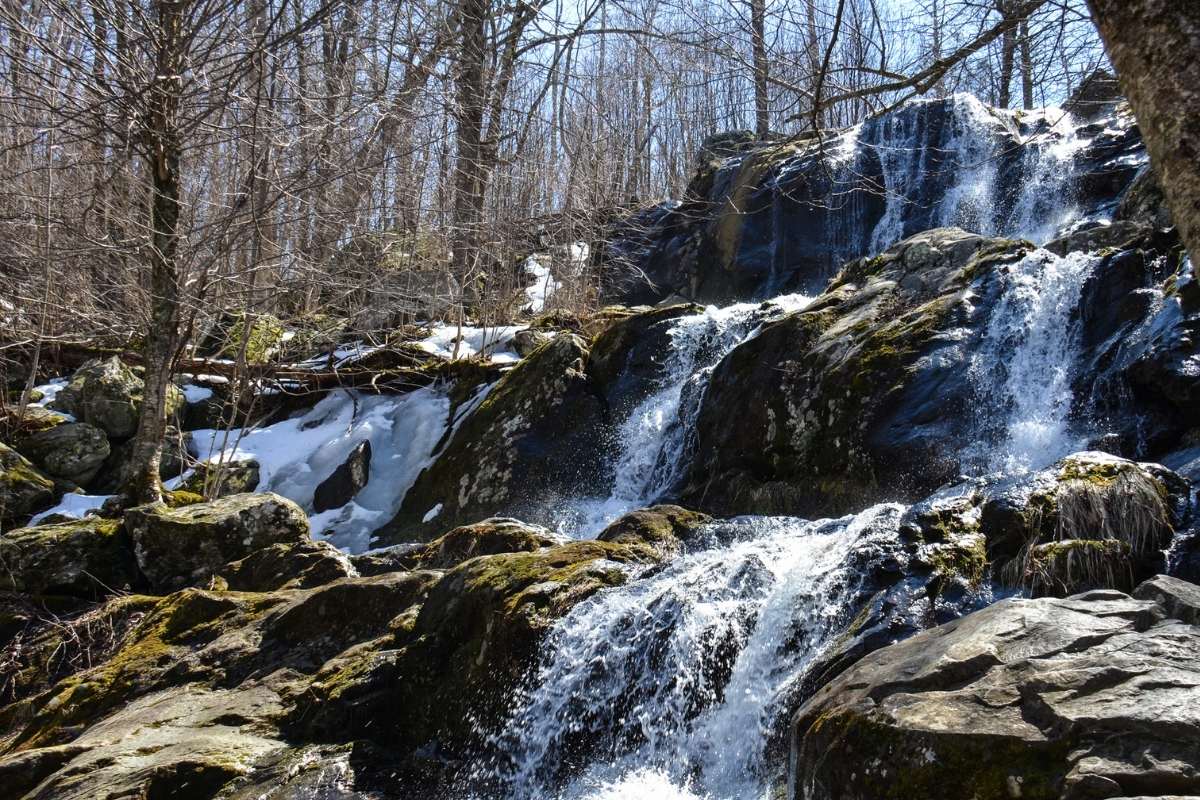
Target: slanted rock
x=287, y=566
x=536, y=435
x=1090, y=696
x=107, y=394
x=73, y=452
x=88, y=558
x=346, y=481
x=188, y=546
x=24, y=490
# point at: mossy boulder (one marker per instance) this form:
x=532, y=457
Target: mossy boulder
x=535, y=435
x=222, y=479
x=107, y=394
x=860, y=397
x=73, y=451
x=666, y=528
x=286, y=566
x=1089, y=696
x=1090, y=521
x=24, y=490
x=256, y=336
x=486, y=538
x=188, y=546
x=91, y=557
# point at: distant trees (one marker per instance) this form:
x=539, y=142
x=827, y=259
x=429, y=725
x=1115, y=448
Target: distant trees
x=164, y=161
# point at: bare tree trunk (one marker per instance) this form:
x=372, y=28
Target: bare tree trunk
x=1026, y=67
x=758, y=25
x=469, y=112
x=1155, y=46
x=1008, y=52
x=162, y=148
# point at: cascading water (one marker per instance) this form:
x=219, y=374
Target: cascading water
x=677, y=681
x=947, y=176
x=1023, y=368
x=651, y=443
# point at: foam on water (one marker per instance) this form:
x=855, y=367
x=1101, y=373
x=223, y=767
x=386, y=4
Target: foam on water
x=1023, y=368
x=677, y=680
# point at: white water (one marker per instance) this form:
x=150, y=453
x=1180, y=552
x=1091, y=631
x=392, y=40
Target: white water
x=678, y=679
x=973, y=149
x=651, y=443
x=1023, y=369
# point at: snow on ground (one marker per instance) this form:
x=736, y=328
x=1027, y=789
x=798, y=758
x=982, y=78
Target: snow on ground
x=544, y=286
x=73, y=505
x=196, y=394
x=297, y=454
x=494, y=341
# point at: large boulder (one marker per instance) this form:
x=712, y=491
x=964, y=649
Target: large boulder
x=863, y=396
x=88, y=558
x=668, y=529
x=223, y=479
x=534, y=436
x=486, y=538
x=188, y=546
x=24, y=490
x=107, y=394
x=286, y=566
x=1063, y=699
x=73, y=452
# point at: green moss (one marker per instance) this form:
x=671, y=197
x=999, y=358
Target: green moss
x=265, y=335
x=180, y=498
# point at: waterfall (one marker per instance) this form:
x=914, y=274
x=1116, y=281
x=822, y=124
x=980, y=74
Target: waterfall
x=651, y=443
x=1023, y=367
x=677, y=681
x=941, y=176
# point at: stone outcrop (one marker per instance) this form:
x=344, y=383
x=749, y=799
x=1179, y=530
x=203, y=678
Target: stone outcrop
x=24, y=490
x=107, y=394
x=346, y=481
x=1092, y=696
x=87, y=558
x=73, y=452
x=187, y=546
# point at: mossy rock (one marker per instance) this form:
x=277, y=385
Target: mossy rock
x=90, y=558
x=489, y=537
x=666, y=528
x=106, y=393
x=73, y=452
x=24, y=490
x=286, y=566
x=217, y=480
x=537, y=433
x=257, y=336
x=841, y=405
x=187, y=546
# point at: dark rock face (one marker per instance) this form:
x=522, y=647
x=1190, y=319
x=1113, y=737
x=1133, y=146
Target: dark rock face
x=862, y=396
x=346, y=481
x=535, y=435
x=1089, y=696
x=761, y=219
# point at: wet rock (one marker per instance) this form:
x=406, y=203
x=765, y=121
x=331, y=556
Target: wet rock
x=224, y=479
x=188, y=546
x=668, y=529
x=1049, y=698
x=863, y=396
x=346, y=481
x=87, y=558
x=287, y=566
x=452, y=666
x=73, y=452
x=535, y=436
x=107, y=394
x=1091, y=521
x=24, y=490
x=1144, y=201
